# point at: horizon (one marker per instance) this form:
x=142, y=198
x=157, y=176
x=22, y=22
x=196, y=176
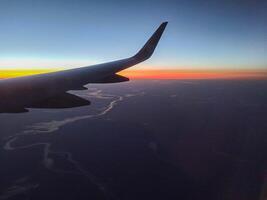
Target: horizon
x=169, y=74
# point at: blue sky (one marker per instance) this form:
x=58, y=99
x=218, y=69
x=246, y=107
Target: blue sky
x=71, y=33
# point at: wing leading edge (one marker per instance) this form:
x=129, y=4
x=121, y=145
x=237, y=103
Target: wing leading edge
x=31, y=90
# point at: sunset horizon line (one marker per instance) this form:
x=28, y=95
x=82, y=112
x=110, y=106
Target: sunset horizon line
x=158, y=73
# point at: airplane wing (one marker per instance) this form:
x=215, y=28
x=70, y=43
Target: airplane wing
x=35, y=91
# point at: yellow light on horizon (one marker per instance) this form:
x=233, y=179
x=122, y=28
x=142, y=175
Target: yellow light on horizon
x=13, y=73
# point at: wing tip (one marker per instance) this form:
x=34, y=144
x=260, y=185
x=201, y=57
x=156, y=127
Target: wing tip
x=164, y=23
x=148, y=49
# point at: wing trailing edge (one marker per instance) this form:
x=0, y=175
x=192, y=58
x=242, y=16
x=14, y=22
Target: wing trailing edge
x=115, y=78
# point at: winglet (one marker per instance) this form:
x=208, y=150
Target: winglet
x=151, y=44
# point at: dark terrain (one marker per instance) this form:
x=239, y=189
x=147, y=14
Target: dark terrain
x=142, y=140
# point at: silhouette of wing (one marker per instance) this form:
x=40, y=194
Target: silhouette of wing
x=23, y=92
x=64, y=100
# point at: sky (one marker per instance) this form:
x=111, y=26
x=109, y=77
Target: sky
x=201, y=35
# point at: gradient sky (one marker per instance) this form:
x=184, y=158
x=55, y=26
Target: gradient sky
x=70, y=33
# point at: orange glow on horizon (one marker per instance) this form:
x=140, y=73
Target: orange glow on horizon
x=159, y=74
x=195, y=74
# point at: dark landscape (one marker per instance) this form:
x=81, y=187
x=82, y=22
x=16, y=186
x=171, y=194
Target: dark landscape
x=157, y=139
